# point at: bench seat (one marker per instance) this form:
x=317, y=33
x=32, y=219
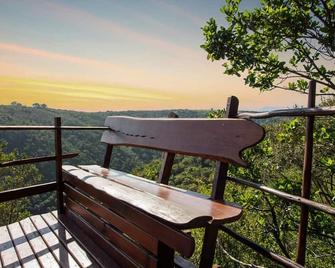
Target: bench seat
x=55, y=241
x=177, y=207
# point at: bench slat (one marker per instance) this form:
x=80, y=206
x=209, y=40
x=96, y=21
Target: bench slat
x=218, y=139
x=177, y=240
x=163, y=209
x=125, y=245
x=91, y=245
x=146, y=240
x=219, y=212
x=92, y=229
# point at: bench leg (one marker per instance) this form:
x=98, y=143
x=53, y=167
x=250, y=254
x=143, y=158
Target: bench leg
x=165, y=256
x=208, y=246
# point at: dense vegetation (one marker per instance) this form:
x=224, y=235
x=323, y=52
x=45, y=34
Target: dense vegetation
x=22, y=144
x=281, y=44
x=276, y=162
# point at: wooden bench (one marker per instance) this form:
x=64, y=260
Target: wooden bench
x=138, y=222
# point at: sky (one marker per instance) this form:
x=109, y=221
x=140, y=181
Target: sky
x=118, y=55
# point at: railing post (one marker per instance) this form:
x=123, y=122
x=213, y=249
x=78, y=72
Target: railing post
x=167, y=161
x=307, y=177
x=108, y=156
x=58, y=154
x=218, y=188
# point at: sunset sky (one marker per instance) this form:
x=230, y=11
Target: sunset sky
x=117, y=55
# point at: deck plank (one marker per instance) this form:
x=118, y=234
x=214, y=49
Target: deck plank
x=37, y=244
x=23, y=249
x=54, y=244
x=83, y=258
x=9, y=258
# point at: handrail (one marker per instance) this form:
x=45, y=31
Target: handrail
x=27, y=191
x=52, y=128
x=325, y=111
x=263, y=251
x=35, y=160
x=289, y=197
x=301, y=112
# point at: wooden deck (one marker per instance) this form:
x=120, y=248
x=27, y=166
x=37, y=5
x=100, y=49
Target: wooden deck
x=43, y=241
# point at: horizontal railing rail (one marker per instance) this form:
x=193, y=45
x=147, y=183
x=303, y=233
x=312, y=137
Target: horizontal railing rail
x=27, y=191
x=35, y=160
x=17, y=193
x=300, y=200
x=261, y=250
x=325, y=111
x=283, y=195
x=52, y=128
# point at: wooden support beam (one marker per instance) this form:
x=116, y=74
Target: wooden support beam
x=58, y=164
x=218, y=188
x=307, y=177
x=108, y=156
x=167, y=161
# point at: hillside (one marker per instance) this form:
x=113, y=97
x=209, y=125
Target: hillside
x=276, y=162
x=86, y=142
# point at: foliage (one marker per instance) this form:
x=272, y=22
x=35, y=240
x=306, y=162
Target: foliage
x=16, y=177
x=281, y=40
x=276, y=162
x=272, y=222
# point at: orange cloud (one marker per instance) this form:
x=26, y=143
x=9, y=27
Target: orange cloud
x=52, y=55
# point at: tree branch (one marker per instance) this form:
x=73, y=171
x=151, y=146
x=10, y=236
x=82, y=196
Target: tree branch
x=238, y=261
x=276, y=230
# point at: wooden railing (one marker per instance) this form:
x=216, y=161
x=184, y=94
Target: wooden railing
x=218, y=190
x=304, y=200
x=43, y=187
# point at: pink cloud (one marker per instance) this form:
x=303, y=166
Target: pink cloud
x=54, y=56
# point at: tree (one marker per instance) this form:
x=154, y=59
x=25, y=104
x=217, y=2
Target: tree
x=12, y=178
x=280, y=44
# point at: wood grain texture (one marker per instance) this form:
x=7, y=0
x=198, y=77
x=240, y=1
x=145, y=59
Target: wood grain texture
x=134, y=232
x=37, y=244
x=55, y=246
x=87, y=242
x=197, y=210
x=158, y=207
x=218, y=139
x=94, y=230
x=23, y=249
x=81, y=256
x=182, y=243
x=8, y=256
x=121, y=243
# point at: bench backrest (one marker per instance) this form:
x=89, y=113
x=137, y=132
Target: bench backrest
x=132, y=238
x=218, y=139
